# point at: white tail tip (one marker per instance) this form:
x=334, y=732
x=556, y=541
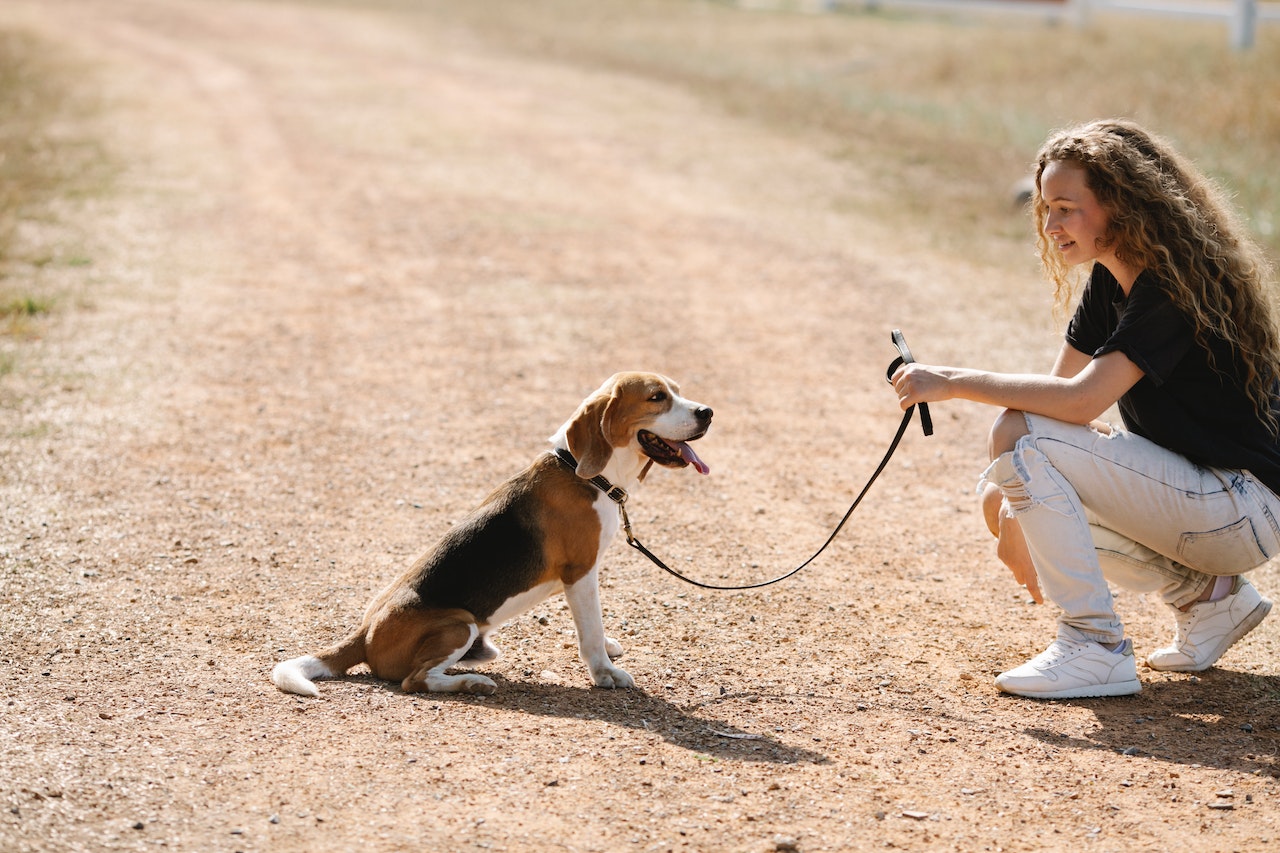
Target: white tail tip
x=294, y=676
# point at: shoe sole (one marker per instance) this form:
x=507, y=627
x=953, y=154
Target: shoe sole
x=1096, y=691
x=1253, y=620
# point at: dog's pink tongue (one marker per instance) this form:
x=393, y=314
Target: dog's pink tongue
x=687, y=454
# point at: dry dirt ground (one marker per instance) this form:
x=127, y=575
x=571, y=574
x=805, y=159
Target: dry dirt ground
x=353, y=270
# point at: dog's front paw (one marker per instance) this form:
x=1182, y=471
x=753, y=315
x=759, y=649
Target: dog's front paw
x=478, y=685
x=613, y=647
x=611, y=676
x=439, y=682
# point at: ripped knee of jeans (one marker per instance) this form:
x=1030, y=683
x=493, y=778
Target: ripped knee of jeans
x=1009, y=474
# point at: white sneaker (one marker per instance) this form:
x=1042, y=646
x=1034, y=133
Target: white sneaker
x=1072, y=669
x=1209, y=628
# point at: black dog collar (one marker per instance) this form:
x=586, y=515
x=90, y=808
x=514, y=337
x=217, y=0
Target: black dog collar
x=617, y=494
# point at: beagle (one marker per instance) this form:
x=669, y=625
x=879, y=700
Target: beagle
x=542, y=532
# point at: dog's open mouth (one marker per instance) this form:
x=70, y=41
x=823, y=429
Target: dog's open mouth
x=673, y=454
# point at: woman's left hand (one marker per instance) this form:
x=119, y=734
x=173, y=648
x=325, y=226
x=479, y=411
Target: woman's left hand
x=1012, y=551
x=1011, y=546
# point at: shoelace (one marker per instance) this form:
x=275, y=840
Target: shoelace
x=1058, y=650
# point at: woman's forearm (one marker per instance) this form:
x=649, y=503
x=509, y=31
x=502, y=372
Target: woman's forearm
x=1079, y=398
x=1061, y=398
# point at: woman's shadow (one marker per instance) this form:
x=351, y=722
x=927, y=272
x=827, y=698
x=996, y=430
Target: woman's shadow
x=1217, y=718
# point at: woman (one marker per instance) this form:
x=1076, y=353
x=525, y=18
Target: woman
x=1174, y=324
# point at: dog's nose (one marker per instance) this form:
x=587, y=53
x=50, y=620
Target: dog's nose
x=703, y=414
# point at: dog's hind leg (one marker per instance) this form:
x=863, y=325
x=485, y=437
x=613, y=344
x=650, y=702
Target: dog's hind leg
x=444, y=646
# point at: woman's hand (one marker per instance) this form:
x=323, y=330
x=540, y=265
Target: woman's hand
x=921, y=383
x=1011, y=546
x=1012, y=551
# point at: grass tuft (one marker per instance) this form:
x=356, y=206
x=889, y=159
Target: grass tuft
x=44, y=157
x=25, y=306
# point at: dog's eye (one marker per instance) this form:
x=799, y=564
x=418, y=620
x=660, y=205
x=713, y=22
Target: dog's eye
x=658, y=397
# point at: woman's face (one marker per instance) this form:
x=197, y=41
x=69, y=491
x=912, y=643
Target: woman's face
x=1074, y=219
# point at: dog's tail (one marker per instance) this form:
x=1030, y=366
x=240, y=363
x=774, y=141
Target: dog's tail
x=294, y=676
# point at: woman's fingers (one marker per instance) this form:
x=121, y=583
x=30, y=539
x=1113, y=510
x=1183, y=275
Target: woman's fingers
x=1013, y=552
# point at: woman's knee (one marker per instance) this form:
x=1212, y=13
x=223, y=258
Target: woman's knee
x=1009, y=426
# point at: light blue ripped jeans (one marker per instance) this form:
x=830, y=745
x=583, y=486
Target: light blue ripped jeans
x=1096, y=508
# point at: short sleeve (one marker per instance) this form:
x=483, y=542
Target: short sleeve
x=1096, y=314
x=1151, y=331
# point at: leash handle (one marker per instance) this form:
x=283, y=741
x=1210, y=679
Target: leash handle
x=926, y=423
x=904, y=357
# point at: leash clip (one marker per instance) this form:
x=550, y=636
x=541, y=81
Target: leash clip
x=626, y=524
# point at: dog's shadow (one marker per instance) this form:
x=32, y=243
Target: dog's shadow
x=638, y=710
x=632, y=709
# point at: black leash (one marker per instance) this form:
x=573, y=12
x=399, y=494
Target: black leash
x=926, y=423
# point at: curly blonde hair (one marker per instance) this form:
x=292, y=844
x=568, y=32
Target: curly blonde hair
x=1168, y=218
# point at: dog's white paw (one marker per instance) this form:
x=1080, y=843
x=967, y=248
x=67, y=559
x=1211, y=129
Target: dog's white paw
x=466, y=683
x=610, y=676
x=613, y=647
x=478, y=685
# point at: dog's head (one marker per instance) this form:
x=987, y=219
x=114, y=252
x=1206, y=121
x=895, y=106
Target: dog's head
x=641, y=413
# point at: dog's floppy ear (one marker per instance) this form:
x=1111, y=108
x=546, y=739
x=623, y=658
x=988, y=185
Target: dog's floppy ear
x=586, y=434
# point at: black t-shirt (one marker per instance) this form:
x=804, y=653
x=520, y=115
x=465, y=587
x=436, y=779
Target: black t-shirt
x=1181, y=402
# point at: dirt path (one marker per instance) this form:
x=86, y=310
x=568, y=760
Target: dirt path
x=359, y=264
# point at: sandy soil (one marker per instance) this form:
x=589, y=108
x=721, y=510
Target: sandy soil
x=355, y=268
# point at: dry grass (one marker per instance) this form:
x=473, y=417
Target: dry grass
x=945, y=112
x=47, y=159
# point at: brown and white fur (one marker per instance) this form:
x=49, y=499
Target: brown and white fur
x=542, y=532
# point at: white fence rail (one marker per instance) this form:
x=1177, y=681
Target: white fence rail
x=1242, y=17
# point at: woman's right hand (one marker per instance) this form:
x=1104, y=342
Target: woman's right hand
x=920, y=383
